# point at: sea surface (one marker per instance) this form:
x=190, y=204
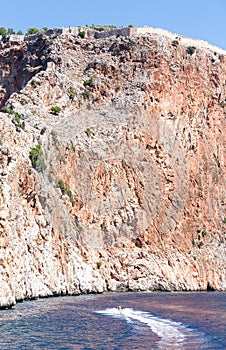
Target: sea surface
x=152, y=320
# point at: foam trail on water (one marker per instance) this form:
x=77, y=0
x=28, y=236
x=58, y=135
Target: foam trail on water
x=171, y=334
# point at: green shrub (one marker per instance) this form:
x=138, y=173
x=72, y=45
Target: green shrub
x=204, y=233
x=130, y=26
x=71, y=93
x=190, y=50
x=175, y=43
x=66, y=191
x=3, y=33
x=36, y=156
x=32, y=31
x=19, y=32
x=90, y=82
x=89, y=132
x=98, y=28
x=82, y=34
x=55, y=110
x=7, y=109
x=23, y=101
x=99, y=263
x=86, y=94
x=222, y=104
x=17, y=121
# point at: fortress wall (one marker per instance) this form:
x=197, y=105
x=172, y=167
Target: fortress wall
x=16, y=38
x=114, y=32
x=127, y=31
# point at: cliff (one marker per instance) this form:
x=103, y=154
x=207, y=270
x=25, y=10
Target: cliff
x=112, y=165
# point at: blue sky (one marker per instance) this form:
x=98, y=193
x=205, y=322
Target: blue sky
x=200, y=19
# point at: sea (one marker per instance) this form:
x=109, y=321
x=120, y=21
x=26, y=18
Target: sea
x=154, y=320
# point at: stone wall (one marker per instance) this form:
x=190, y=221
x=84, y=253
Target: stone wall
x=16, y=38
x=90, y=33
x=114, y=32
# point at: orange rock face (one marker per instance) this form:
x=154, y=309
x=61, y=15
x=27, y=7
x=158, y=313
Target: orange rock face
x=127, y=191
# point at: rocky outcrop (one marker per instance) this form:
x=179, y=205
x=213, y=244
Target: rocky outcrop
x=122, y=187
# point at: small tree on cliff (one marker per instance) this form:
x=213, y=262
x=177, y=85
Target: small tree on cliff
x=36, y=156
x=10, y=31
x=3, y=33
x=32, y=31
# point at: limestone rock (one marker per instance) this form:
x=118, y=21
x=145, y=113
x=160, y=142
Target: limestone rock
x=123, y=186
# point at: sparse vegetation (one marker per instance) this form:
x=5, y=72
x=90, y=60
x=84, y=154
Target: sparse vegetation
x=23, y=101
x=17, y=116
x=90, y=82
x=55, y=110
x=66, y=191
x=99, y=263
x=190, y=50
x=102, y=27
x=6, y=109
x=175, y=43
x=86, y=94
x=3, y=33
x=89, y=132
x=17, y=121
x=32, y=31
x=99, y=29
x=82, y=34
x=71, y=93
x=36, y=156
x=224, y=220
x=200, y=244
x=204, y=233
x=72, y=146
x=222, y=104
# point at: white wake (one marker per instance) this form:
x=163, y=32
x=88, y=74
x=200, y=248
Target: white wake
x=172, y=335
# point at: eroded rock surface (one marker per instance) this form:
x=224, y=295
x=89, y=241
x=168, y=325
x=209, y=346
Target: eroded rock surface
x=127, y=191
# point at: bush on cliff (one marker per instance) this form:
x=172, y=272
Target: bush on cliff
x=82, y=34
x=190, y=50
x=3, y=33
x=55, y=110
x=36, y=156
x=66, y=191
x=32, y=31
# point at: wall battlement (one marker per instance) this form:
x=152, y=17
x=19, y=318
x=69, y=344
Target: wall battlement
x=124, y=32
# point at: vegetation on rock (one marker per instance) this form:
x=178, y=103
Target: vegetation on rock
x=36, y=156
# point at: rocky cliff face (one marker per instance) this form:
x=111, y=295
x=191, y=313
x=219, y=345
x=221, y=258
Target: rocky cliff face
x=123, y=186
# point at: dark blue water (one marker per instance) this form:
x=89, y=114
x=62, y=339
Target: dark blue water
x=189, y=321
